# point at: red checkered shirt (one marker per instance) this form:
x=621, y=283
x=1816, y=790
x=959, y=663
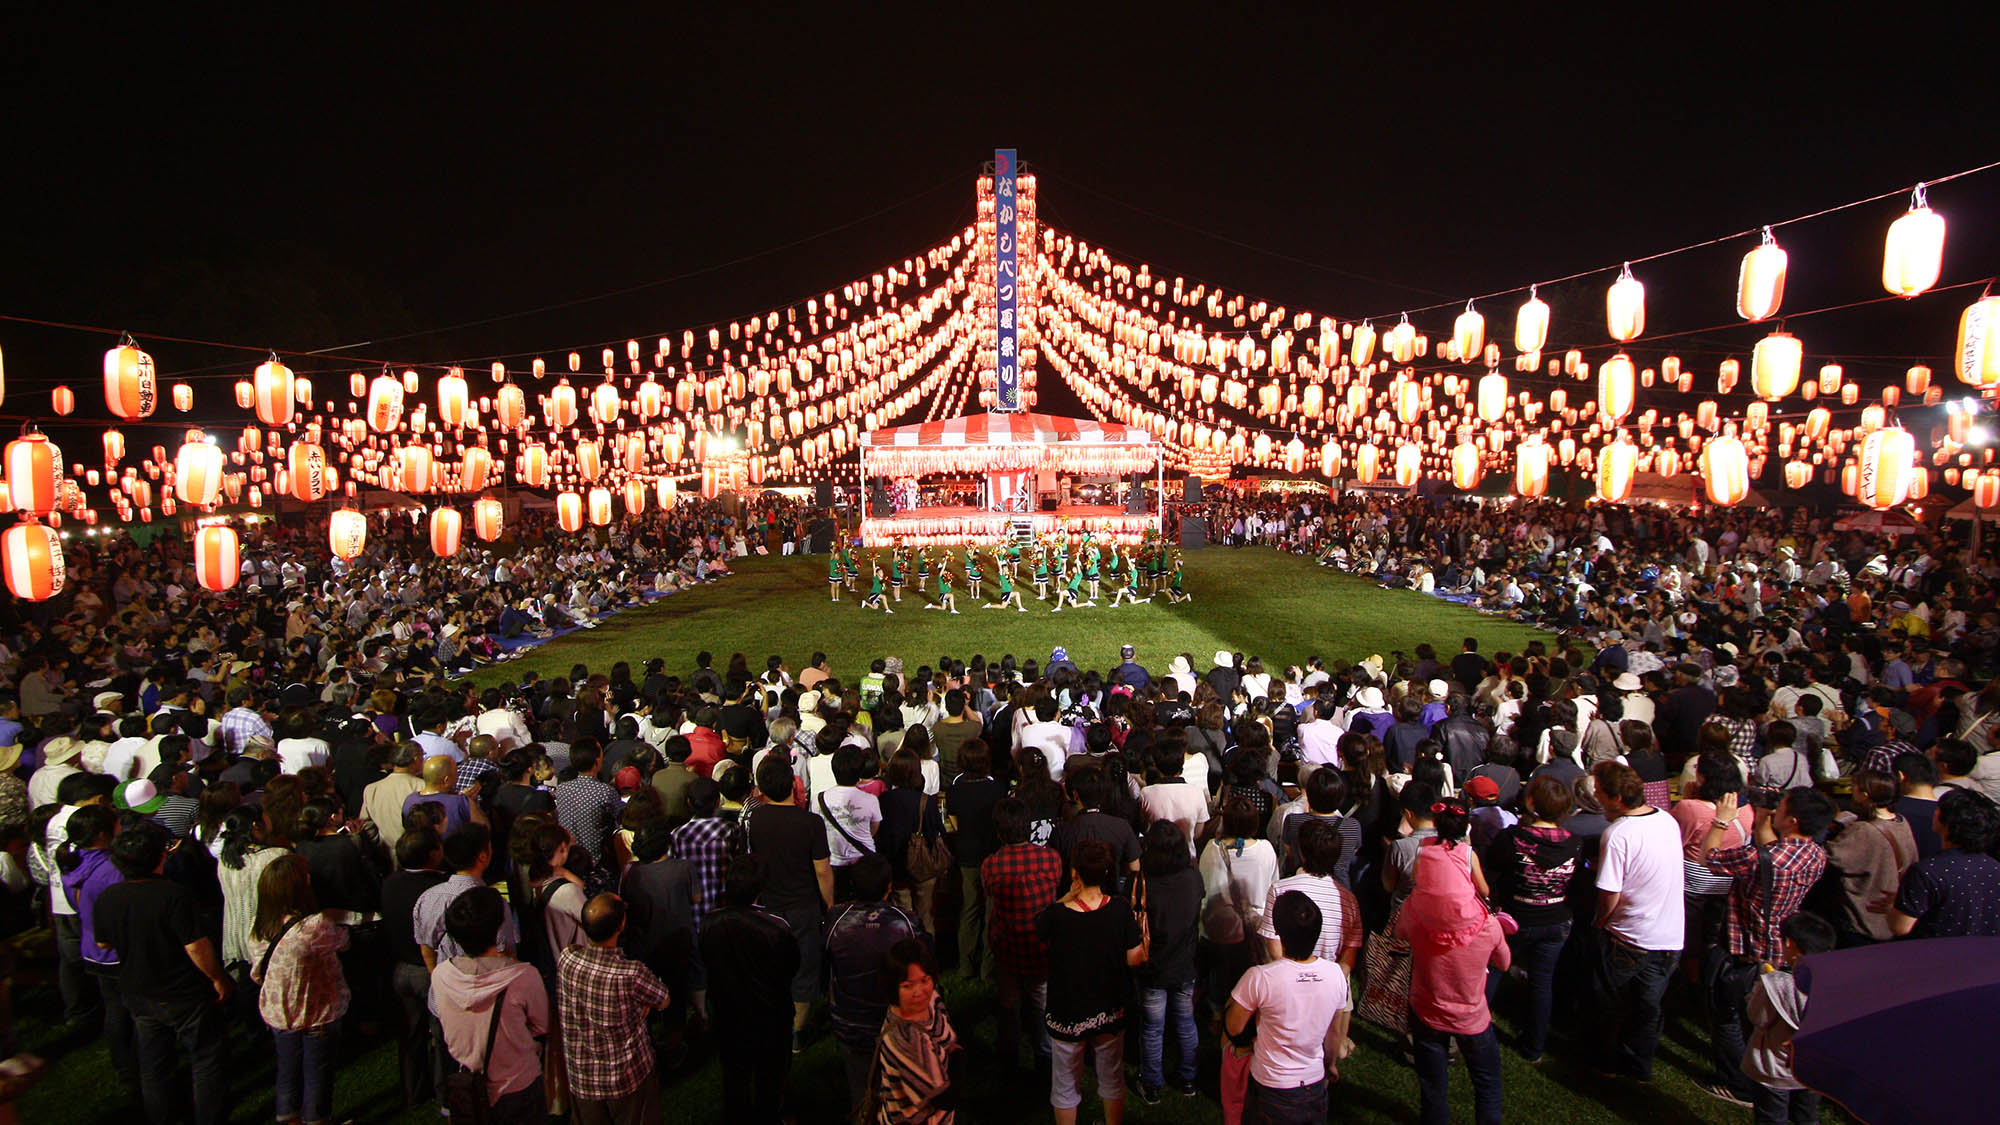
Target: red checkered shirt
x=1755, y=913
x=1020, y=880
x=604, y=999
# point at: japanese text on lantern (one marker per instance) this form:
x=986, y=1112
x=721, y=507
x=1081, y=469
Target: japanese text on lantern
x=1006, y=282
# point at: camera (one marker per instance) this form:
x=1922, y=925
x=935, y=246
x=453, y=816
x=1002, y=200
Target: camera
x=1758, y=797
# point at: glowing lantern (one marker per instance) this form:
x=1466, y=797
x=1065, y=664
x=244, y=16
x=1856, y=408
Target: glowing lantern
x=131, y=383
x=1760, y=283
x=569, y=511
x=534, y=467
x=1914, y=251
x=1978, y=351
x=1466, y=471
x=1492, y=397
x=1531, y=468
x=488, y=515
x=635, y=497
x=589, y=463
x=1401, y=343
x=475, y=468
x=1850, y=394
x=604, y=403
x=198, y=472
x=559, y=409
x=1798, y=474
x=218, y=560
x=415, y=463
x=1468, y=333
x=183, y=396
x=1986, y=489
x=1295, y=457
x=114, y=447
x=1531, y=324
x=510, y=407
x=452, y=397
x=1917, y=380
x=1409, y=463
x=385, y=403
x=272, y=388
x=1367, y=464
x=1409, y=402
x=1725, y=470
x=665, y=492
x=1774, y=366
x=600, y=506
x=652, y=399
x=1625, y=306
x=63, y=400
x=347, y=533
x=1885, y=462
x=446, y=527
x=1362, y=347
x=33, y=558
x=307, y=465
x=1617, y=464
x=34, y=474
x=1616, y=388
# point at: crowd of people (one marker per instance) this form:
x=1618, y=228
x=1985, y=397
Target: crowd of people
x=1748, y=740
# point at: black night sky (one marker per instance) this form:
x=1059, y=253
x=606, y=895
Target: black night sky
x=311, y=178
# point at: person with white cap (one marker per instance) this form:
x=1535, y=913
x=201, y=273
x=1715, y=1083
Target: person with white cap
x=1224, y=676
x=58, y=761
x=1632, y=692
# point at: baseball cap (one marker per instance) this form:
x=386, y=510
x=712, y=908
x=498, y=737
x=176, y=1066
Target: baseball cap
x=105, y=697
x=141, y=796
x=1125, y=652
x=627, y=779
x=1483, y=789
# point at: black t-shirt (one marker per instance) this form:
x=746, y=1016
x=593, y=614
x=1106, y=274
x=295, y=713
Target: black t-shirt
x=1920, y=811
x=750, y=956
x=1173, y=913
x=400, y=892
x=788, y=839
x=150, y=922
x=1094, y=825
x=970, y=802
x=1088, y=977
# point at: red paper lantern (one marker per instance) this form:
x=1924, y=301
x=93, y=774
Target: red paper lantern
x=32, y=555
x=131, y=382
x=347, y=533
x=569, y=511
x=274, y=390
x=446, y=526
x=34, y=474
x=218, y=561
x=306, y=464
x=488, y=516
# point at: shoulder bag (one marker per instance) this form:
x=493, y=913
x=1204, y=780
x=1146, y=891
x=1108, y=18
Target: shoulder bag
x=466, y=1094
x=926, y=857
x=864, y=849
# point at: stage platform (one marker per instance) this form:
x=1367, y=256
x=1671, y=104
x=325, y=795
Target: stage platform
x=948, y=526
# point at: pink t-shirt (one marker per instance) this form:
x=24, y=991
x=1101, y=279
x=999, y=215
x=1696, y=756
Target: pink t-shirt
x=1694, y=815
x=1295, y=1003
x=1448, y=989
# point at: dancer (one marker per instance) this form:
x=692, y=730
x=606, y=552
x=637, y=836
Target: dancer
x=1070, y=595
x=1128, y=590
x=1008, y=594
x=833, y=572
x=1041, y=575
x=896, y=572
x=853, y=566
x=946, y=599
x=923, y=571
x=972, y=572
x=1176, y=592
x=875, y=600
x=1091, y=573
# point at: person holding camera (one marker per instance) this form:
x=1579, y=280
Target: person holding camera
x=1770, y=878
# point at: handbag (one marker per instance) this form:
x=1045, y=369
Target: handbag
x=926, y=857
x=1225, y=920
x=465, y=1090
x=1386, y=963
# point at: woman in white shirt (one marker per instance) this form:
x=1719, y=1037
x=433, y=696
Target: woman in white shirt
x=1240, y=856
x=1256, y=682
x=297, y=747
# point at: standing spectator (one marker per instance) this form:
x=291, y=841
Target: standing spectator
x=606, y=999
x=917, y=1051
x=87, y=870
x=1171, y=798
x=906, y=814
x=1775, y=1009
x=1166, y=980
x=1871, y=848
x=1454, y=940
x=468, y=852
x=418, y=854
x=1916, y=778
x=969, y=801
x=1020, y=880
x=1294, y=1001
x=659, y=893
x=1094, y=940
x=752, y=958
x=1955, y=893
x=249, y=844
x=492, y=1010
x=1639, y=890
x=170, y=978
x=382, y=801
x=795, y=881
x=303, y=994
x=853, y=816
x=586, y=806
x=708, y=842
x=1532, y=865
x=440, y=788
x=1095, y=792
x=859, y=934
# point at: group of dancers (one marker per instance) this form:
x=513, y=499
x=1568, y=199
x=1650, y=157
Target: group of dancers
x=1078, y=575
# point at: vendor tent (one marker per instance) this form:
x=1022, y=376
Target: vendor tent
x=1967, y=509
x=996, y=442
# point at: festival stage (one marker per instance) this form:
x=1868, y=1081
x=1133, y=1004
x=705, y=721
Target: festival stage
x=951, y=526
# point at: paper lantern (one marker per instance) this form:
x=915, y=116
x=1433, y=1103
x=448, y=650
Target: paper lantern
x=635, y=497
x=1617, y=464
x=62, y=400
x=385, y=403
x=534, y=467
x=347, y=533
x=559, y=408
x=1616, y=388
x=475, y=468
x=218, y=561
x=1531, y=324
x=1466, y=470
x=1401, y=343
x=198, y=473
x=1362, y=347
x=1774, y=366
x=453, y=394
x=651, y=399
x=447, y=525
x=183, y=396
x=1409, y=402
x=306, y=463
x=1920, y=482
x=665, y=492
x=1531, y=468
x=1468, y=333
x=114, y=447
x=272, y=388
x=34, y=474
x=131, y=383
x=604, y=404
x=1886, y=459
x=1492, y=397
x=1913, y=253
x=1798, y=474
x=1760, y=283
x=1625, y=306
x=488, y=516
x=1725, y=469
x=414, y=462
x=510, y=407
x=1977, y=356
x=33, y=558
x=600, y=506
x=1917, y=380
x=569, y=511
x=589, y=463
x=1986, y=489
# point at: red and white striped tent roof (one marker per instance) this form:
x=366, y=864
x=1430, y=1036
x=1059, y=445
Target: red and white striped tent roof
x=1008, y=429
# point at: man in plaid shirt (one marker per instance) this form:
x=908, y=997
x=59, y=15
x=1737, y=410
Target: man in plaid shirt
x=605, y=999
x=243, y=721
x=1771, y=877
x=707, y=842
x=1021, y=879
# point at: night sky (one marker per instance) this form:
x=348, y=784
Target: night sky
x=307, y=180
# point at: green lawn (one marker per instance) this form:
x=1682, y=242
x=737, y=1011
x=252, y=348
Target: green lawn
x=1254, y=601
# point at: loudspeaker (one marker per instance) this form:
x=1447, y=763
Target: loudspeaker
x=1191, y=490
x=1049, y=503
x=1194, y=534
x=1135, y=499
x=823, y=493
x=879, y=506
x=819, y=535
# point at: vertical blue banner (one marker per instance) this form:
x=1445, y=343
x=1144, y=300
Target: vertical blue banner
x=1006, y=283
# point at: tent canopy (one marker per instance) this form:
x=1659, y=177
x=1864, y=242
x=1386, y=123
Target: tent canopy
x=1000, y=442
x=1007, y=429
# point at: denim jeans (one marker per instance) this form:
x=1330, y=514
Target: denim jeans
x=1175, y=1002
x=166, y=1028
x=80, y=996
x=1299, y=1105
x=975, y=952
x=305, y=1072
x=1023, y=1002
x=1536, y=951
x=1433, y=1055
x=119, y=1035
x=1786, y=1107
x=419, y=1061
x=1630, y=983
